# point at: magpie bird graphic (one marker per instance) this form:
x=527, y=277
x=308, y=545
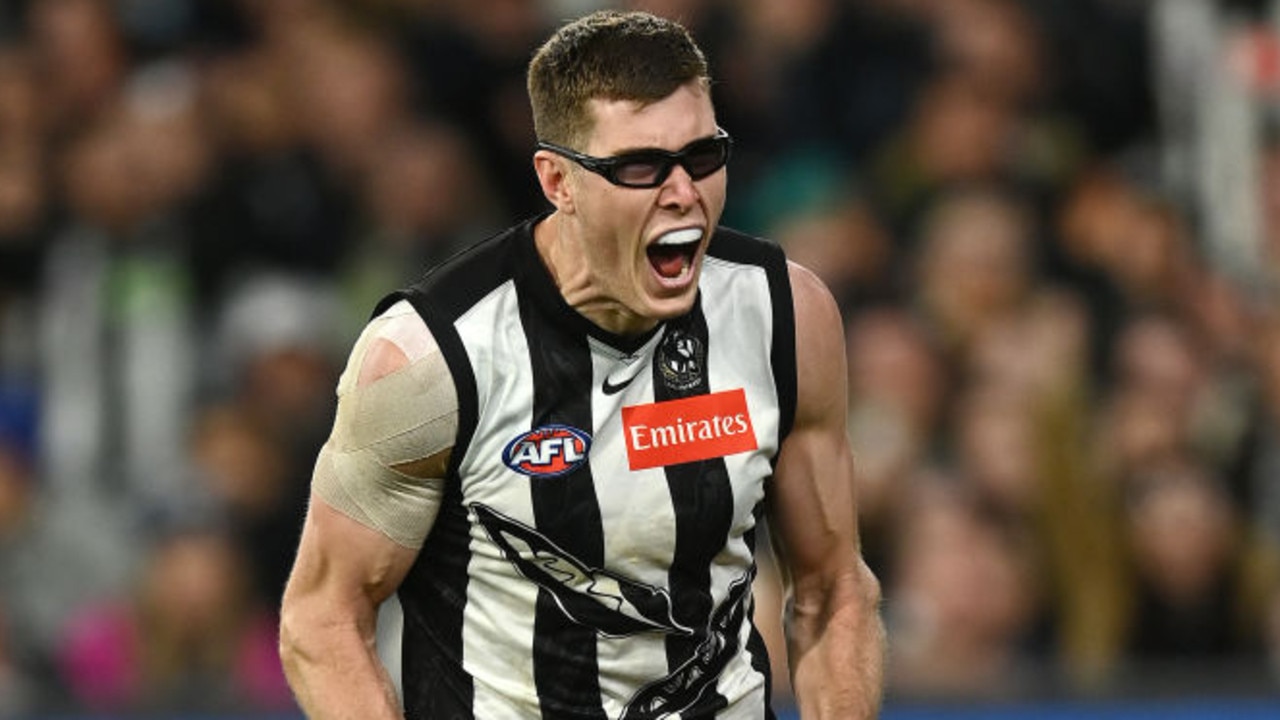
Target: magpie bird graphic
x=611, y=604
x=686, y=685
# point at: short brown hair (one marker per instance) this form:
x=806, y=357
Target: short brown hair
x=608, y=55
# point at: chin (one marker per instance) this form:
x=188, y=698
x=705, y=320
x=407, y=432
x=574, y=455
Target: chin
x=673, y=306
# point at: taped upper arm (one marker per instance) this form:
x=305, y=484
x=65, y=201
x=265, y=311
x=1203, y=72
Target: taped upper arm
x=385, y=461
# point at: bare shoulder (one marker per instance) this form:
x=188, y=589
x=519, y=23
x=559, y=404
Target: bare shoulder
x=820, y=347
x=390, y=342
x=396, y=398
x=815, y=307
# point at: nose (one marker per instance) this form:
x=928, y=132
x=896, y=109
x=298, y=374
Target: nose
x=678, y=191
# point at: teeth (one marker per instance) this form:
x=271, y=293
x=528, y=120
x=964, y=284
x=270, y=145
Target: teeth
x=681, y=237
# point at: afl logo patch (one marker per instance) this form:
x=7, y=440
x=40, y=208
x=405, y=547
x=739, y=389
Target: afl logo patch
x=547, y=451
x=681, y=358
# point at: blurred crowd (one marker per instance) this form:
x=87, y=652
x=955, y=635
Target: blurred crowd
x=1065, y=415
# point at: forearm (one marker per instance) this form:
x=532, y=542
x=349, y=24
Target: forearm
x=836, y=646
x=334, y=671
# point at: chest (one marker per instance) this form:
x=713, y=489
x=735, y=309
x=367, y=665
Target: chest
x=622, y=457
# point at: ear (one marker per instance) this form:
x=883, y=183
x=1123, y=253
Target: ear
x=553, y=176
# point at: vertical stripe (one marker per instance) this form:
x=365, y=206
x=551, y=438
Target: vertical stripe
x=433, y=596
x=783, y=352
x=566, y=512
x=760, y=663
x=499, y=613
x=755, y=644
x=639, y=536
x=701, y=494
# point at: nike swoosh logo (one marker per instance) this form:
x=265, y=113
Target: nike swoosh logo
x=612, y=389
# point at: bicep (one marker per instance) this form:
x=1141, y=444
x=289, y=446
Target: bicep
x=812, y=513
x=344, y=564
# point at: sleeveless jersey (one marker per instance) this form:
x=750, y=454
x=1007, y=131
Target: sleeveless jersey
x=594, y=550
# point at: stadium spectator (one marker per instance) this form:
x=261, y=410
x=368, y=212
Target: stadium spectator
x=192, y=639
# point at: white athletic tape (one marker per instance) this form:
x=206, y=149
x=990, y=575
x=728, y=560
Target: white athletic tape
x=356, y=484
x=406, y=416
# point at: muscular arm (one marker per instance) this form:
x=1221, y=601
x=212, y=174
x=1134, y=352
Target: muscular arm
x=373, y=499
x=343, y=572
x=835, y=639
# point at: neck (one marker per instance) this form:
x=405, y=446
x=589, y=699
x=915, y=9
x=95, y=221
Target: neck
x=561, y=248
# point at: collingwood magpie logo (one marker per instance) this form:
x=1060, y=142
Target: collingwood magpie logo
x=681, y=360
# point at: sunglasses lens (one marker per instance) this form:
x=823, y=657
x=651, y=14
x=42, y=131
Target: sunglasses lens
x=705, y=160
x=641, y=170
x=707, y=157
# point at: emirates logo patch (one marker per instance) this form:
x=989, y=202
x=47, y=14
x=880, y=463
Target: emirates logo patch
x=687, y=430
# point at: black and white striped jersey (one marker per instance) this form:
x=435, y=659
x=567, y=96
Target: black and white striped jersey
x=594, y=552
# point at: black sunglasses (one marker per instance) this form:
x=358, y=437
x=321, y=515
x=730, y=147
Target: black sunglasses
x=650, y=168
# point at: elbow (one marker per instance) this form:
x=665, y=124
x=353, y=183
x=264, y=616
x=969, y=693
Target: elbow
x=312, y=629
x=288, y=641
x=291, y=640
x=869, y=592
x=852, y=595
x=869, y=601
x=871, y=597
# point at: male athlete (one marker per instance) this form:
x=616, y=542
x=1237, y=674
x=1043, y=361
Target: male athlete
x=558, y=448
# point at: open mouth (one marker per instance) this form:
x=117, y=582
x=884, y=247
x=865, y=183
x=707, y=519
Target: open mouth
x=672, y=254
